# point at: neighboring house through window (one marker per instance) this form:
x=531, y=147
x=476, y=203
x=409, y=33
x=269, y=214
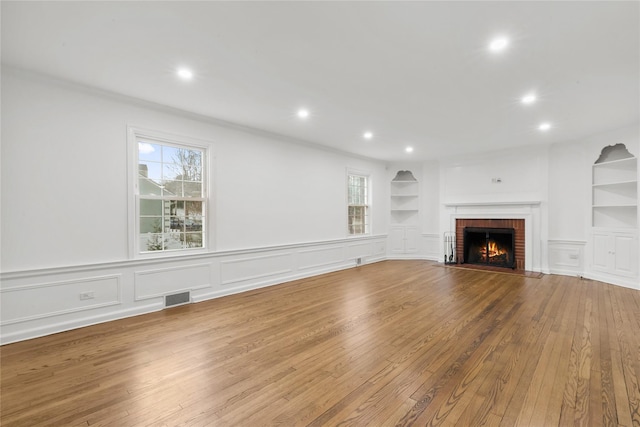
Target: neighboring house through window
x=358, y=203
x=170, y=193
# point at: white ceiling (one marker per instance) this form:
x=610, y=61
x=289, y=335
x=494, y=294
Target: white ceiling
x=414, y=73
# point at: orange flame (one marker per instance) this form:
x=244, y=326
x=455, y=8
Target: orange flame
x=494, y=250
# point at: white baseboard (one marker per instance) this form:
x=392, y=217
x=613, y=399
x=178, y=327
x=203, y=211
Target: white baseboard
x=81, y=322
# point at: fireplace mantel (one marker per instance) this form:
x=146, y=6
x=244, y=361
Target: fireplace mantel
x=528, y=210
x=520, y=203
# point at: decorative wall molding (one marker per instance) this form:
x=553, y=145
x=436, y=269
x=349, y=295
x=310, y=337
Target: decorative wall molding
x=22, y=303
x=169, y=258
x=433, y=248
x=320, y=257
x=257, y=267
x=497, y=203
x=566, y=257
x=46, y=301
x=162, y=281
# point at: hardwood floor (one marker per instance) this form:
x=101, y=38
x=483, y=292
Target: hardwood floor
x=392, y=343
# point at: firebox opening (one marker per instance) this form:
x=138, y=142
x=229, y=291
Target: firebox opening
x=489, y=246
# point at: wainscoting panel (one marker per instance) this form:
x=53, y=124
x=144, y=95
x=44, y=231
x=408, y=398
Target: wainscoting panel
x=161, y=281
x=256, y=267
x=320, y=257
x=360, y=250
x=379, y=250
x=433, y=248
x=566, y=257
x=37, y=301
x=42, y=302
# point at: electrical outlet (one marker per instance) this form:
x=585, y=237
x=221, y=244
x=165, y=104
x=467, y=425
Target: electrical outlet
x=87, y=295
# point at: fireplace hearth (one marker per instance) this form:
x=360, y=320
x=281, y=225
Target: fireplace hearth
x=489, y=246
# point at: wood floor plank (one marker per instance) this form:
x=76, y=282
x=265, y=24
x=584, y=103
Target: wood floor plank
x=391, y=343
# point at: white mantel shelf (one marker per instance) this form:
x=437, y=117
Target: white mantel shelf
x=519, y=203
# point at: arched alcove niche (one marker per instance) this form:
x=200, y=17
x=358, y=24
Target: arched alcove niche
x=614, y=152
x=404, y=176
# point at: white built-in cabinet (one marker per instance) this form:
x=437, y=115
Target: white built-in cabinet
x=614, y=213
x=404, y=229
x=615, y=253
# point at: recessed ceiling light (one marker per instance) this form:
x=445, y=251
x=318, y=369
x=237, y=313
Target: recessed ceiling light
x=303, y=113
x=498, y=44
x=544, y=126
x=367, y=135
x=529, y=98
x=409, y=149
x=185, y=74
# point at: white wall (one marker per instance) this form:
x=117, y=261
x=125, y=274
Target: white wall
x=64, y=179
x=279, y=209
x=470, y=178
x=570, y=180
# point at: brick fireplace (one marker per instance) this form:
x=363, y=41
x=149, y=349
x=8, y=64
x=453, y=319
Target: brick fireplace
x=518, y=226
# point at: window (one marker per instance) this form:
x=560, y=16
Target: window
x=170, y=195
x=358, y=200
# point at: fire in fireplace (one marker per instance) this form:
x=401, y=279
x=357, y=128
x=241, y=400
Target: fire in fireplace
x=489, y=246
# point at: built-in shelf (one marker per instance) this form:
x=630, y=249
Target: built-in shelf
x=615, y=171
x=404, y=199
x=614, y=213
x=405, y=211
x=617, y=184
x=615, y=189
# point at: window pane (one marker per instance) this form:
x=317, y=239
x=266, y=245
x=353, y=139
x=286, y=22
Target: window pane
x=149, y=151
x=358, y=220
x=150, y=170
x=193, y=209
x=149, y=188
x=175, y=207
x=357, y=190
x=151, y=242
x=191, y=224
x=192, y=189
x=150, y=207
x=185, y=163
x=176, y=223
x=174, y=241
x=171, y=154
x=193, y=240
x=171, y=172
x=172, y=188
x=150, y=225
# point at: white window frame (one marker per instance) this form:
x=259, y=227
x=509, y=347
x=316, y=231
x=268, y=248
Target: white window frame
x=368, y=216
x=164, y=138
